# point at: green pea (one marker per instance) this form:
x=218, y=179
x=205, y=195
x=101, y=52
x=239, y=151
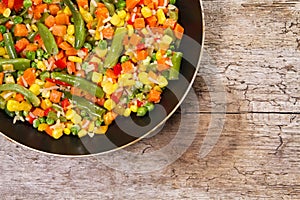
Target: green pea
x=42, y=120
x=46, y=55
x=124, y=59
x=102, y=44
x=98, y=123
x=83, y=113
x=30, y=55
x=153, y=57
x=2, y=29
x=27, y=3
x=25, y=113
x=49, y=121
x=169, y=53
x=88, y=46
x=141, y=111
x=20, y=73
x=36, y=123
x=39, y=52
x=121, y=5
x=44, y=75
x=2, y=43
x=149, y=106
x=74, y=130
x=63, y=119
x=172, y=47
x=172, y=1
x=33, y=65
x=17, y=20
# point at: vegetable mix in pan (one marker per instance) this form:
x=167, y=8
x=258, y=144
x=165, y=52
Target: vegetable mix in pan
x=71, y=67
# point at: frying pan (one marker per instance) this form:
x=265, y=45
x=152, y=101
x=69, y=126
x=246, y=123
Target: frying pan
x=125, y=131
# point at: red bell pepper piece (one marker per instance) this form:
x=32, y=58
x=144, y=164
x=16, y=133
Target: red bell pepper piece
x=57, y=82
x=65, y=103
x=18, y=4
x=117, y=69
x=60, y=64
x=139, y=103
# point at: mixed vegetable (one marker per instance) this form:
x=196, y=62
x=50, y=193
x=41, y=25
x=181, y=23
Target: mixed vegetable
x=71, y=67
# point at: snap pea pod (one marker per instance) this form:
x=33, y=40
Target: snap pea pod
x=18, y=63
x=80, y=30
x=48, y=39
x=176, y=61
x=9, y=45
x=93, y=7
x=4, y=20
x=30, y=96
x=79, y=82
x=31, y=36
x=116, y=48
x=84, y=104
x=110, y=7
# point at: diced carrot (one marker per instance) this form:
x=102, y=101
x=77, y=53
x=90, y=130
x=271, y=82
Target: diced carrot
x=146, y=2
x=80, y=73
x=19, y=97
x=29, y=76
x=71, y=67
x=20, y=30
x=71, y=52
x=65, y=46
x=37, y=2
x=10, y=4
x=21, y=44
x=59, y=40
x=55, y=96
x=83, y=3
x=76, y=91
x=154, y=96
x=60, y=55
x=130, y=4
x=134, y=40
x=20, y=81
x=178, y=31
x=151, y=5
x=54, y=8
x=141, y=55
x=102, y=12
x=50, y=21
x=62, y=19
x=2, y=7
x=59, y=30
x=38, y=112
x=49, y=130
x=38, y=10
x=110, y=74
x=127, y=67
x=31, y=47
x=155, y=4
x=108, y=33
x=160, y=2
x=169, y=23
x=151, y=21
x=1, y=77
x=162, y=64
x=139, y=23
x=9, y=24
x=49, y=84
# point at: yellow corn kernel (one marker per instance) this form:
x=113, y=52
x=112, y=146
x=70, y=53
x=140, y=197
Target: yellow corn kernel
x=46, y=93
x=8, y=67
x=157, y=88
x=133, y=108
x=12, y=105
x=41, y=65
x=87, y=17
x=69, y=125
x=6, y=56
x=158, y=55
x=121, y=23
x=127, y=17
x=67, y=131
x=57, y=133
x=67, y=11
x=71, y=29
x=76, y=119
x=2, y=51
x=46, y=103
x=91, y=127
x=97, y=77
x=122, y=14
x=24, y=105
x=115, y=19
x=82, y=133
x=75, y=59
x=101, y=130
x=130, y=30
x=39, y=82
x=144, y=31
x=109, y=87
x=34, y=27
x=35, y=88
x=143, y=77
x=161, y=18
x=6, y=12
x=162, y=81
x=42, y=127
x=109, y=104
x=146, y=12
x=127, y=112
x=70, y=39
x=70, y=114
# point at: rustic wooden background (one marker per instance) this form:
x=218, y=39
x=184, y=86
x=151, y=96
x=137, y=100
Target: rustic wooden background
x=253, y=49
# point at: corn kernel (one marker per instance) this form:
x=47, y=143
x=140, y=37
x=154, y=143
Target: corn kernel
x=146, y=12
x=109, y=104
x=12, y=105
x=82, y=133
x=2, y=51
x=57, y=133
x=70, y=114
x=67, y=131
x=127, y=112
x=42, y=127
x=87, y=17
x=122, y=14
x=143, y=77
x=158, y=55
x=109, y=87
x=130, y=30
x=34, y=27
x=6, y=12
x=157, y=88
x=101, y=130
x=96, y=77
x=70, y=39
x=162, y=81
x=41, y=65
x=24, y=105
x=75, y=59
x=91, y=127
x=46, y=93
x=71, y=29
x=133, y=108
x=35, y=88
x=46, y=103
x=161, y=18
x=144, y=31
x=8, y=67
x=127, y=17
x=76, y=119
x=69, y=125
x=115, y=19
x=6, y=56
x=67, y=11
x=121, y=23
x=39, y=82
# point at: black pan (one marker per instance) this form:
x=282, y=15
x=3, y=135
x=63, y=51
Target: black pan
x=125, y=131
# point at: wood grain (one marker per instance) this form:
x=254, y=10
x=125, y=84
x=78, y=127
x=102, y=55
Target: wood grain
x=251, y=68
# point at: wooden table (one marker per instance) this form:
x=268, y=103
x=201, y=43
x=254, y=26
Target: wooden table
x=252, y=56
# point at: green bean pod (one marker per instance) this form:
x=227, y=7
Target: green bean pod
x=116, y=48
x=93, y=7
x=48, y=39
x=30, y=96
x=4, y=20
x=176, y=61
x=9, y=45
x=79, y=82
x=110, y=7
x=31, y=36
x=80, y=30
x=18, y=63
x=2, y=103
x=84, y=104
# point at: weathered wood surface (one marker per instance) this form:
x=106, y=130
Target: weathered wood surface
x=254, y=49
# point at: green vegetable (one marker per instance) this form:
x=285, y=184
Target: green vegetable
x=174, y=70
x=79, y=82
x=49, y=121
x=92, y=7
x=116, y=48
x=2, y=29
x=110, y=7
x=44, y=75
x=30, y=55
x=18, y=63
x=121, y=4
x=30, y=96
x=141, y=111
x=36, y=123
x=2, y=103
x=31, y=36
x=80, y=30
x=27, y=3
x=48, y=39
x=9, y=44
x=17, y=20
x=149, y=106
x=172, y=2
x=47, y=1
x=4, y=20
x=90, y=107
